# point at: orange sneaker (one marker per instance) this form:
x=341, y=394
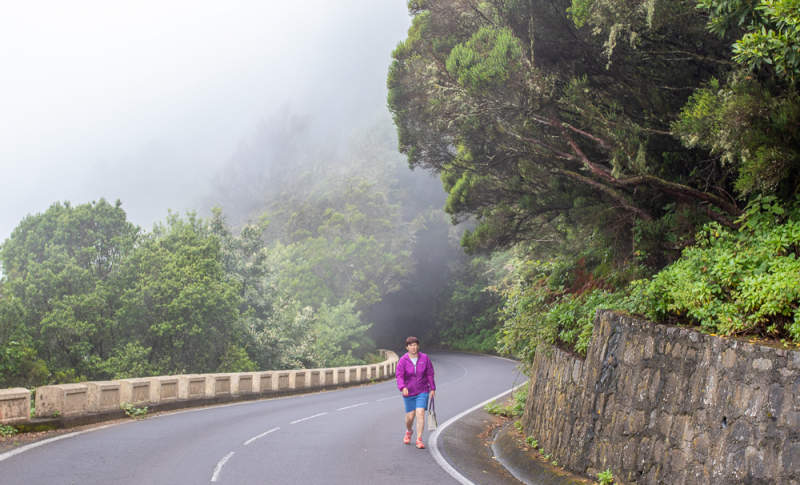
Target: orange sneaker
x=419, y=444
x=407, y=439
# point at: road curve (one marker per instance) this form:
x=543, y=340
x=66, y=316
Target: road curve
x=350, y=436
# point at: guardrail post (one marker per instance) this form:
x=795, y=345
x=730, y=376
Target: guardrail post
x=164, y=389
x=191, y=386
x=102, y=396
x=134, y=391
x=62, y=400
x=15, y=405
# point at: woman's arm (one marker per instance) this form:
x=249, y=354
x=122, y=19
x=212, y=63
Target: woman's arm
x=400, y=375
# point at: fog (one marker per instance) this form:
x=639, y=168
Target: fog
x=144, y=101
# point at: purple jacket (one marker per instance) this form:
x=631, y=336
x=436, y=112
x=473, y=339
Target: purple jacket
x=416, y=382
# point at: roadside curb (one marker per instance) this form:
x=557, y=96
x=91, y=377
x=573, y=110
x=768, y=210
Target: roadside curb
x=525, y=467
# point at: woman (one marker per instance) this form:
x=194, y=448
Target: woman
x=415, y=380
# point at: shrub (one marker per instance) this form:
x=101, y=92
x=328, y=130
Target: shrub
x=512, y=409
x=733, y=282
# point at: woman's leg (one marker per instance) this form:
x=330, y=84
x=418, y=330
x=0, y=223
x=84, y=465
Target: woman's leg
x=420, y=421
x=409, y=420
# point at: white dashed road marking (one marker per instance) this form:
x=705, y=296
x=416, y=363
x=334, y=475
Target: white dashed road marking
x=310, y=417
x=221, y=463
x=259, y=436
x=353, y=406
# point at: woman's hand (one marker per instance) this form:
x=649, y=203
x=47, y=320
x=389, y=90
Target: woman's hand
x=433, y=393
x=405, y=391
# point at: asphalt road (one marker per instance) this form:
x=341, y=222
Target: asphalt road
x=350, y=436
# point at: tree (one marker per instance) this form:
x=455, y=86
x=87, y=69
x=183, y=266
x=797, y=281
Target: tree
x=60, y=268
x=534, y=123
x=177, y=304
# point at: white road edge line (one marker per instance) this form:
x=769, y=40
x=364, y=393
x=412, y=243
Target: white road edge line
x=221, y=463
x=434, y=437
x=9, y=454
x=386, y=398
x=259, y=436
x=353, y=406
x=310, y=417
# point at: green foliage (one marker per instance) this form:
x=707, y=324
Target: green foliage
x=512, y=409
x=340, y=336
x=466, y=315
x=532, y=442
x=730, y=282
x=61, y=292
x=87, y=296
x=518, y=425
x=7, y=430
x=606, y=477
x=20, y=365
x=772, y=38
x=579, y=11
x=775, y=44
x=751, y=127
x=354, y=246
x=134, y=412
x=551, y=302
x=533, y=138
x=486, y=60
x=178, y=305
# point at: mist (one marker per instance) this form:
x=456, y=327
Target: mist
x=146, y=102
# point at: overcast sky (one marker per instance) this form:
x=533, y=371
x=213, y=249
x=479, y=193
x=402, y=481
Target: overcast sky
x=142, y=101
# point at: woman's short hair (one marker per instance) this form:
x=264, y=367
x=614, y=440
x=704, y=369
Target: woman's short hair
x=412, y=340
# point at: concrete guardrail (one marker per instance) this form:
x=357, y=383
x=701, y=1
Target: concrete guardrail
x=70, y=400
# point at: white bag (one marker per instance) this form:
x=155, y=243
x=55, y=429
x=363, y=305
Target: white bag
x=431, y=417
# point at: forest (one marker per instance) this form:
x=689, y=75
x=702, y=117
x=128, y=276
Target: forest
x=565, y=156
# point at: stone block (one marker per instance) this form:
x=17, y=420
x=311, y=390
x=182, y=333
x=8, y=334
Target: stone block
x=300, y=379
x=709, y=398
x=134, y=391
x=285, y=380
x=242, y=383
x=61, y=400
x=329, y=377
x=741, y=432
x=790, y=458
x=191, y=386
x=794, y=360
x=352, y=375
x=316, y=379
x=762, y=364
x=267, y=381
x=793, y=421
x=341, y=376
x=729, y=358
x=164, y=388
x=756, y=403
x=15, y=405
x=217, y=384
x=102, y=396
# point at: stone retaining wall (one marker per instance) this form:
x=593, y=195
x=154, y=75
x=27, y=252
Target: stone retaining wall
x=666, y=405
x=70, y=400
